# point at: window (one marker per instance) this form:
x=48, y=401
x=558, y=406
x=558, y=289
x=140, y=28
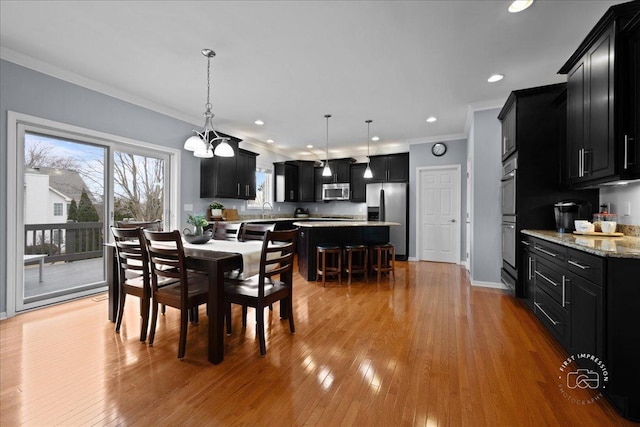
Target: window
x=264, y=188
x=57, y=209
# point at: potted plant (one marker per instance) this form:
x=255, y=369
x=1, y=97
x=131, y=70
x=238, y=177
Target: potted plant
x=198, y=221
x=216, y=209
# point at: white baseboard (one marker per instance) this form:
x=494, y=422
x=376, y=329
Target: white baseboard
x=3, y=315
x=411, y=258
x=494, y=285
x=465, y=264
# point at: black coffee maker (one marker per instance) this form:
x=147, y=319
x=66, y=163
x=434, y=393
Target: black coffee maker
x=567, y=211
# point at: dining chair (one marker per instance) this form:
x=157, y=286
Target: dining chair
x=226, y=230
x=262, y=290
x=190, y=290
x=252, y=231
x=133, y=273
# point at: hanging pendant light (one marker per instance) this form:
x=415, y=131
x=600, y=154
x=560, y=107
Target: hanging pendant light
x=367, y=172
x=202, y=142
x=327, y=170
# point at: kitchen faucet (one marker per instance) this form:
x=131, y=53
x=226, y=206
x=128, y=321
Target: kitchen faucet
x=268, y=204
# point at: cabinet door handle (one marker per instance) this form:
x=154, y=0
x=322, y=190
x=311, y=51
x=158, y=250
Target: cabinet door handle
x=580, y=163
x=584, y=267
x=545, y=313
x=585, y=159
x=564, y=284
x=626, y=151
x=238, y=189
x=530, y=268
x=504, y=145
x=524, y=242
x=546, y=278
x=545, y=252
x=291, y=194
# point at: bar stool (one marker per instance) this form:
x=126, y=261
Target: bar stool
x=383, y=259
x=361, y=253
x=333, y=253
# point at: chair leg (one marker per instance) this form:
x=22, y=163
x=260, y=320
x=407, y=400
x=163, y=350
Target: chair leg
x=154, y=319
x=184, y=321
x=228, y=319
x=193, y=315
x=393, y=263
x=292, y=327
x=244, y=316
x=164, y=309
x=146, y=302
x=120, y=313
x=324, y=269
x=260, y=329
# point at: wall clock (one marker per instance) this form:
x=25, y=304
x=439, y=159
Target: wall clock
x=438, y=149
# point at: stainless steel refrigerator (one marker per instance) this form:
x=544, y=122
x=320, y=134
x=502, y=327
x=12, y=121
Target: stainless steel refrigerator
x=389, y=202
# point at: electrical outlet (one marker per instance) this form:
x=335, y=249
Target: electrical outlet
x=628, y=209
x=188, y=207
x=315, y=209
x=278, y=208
x=241, y=208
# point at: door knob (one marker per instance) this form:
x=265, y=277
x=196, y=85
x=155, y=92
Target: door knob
x=453, y=220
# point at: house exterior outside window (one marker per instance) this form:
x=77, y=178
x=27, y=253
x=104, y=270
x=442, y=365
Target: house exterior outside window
x=57, y=209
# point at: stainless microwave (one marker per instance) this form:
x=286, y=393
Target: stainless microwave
x=339, y=191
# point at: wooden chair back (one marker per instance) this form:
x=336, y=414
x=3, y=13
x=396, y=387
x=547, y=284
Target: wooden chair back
x=255, y=231
x=131, y=253
x=167, y=260
x=226, y=231
x=278, y=250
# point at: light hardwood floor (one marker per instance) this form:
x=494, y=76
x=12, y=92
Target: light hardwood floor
x=426, y=350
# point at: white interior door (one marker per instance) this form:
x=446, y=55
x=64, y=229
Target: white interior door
x=439, y=214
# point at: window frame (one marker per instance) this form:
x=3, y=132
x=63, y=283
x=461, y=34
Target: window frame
x=253, y=204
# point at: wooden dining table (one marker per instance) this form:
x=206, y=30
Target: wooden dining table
x=214, y=258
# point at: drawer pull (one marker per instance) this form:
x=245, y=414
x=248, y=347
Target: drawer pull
x=546, y=278
x=530, y=275
x=524, y=242
x=564, y=281
x=545, y=313
x=584, y=267
x=546, y=252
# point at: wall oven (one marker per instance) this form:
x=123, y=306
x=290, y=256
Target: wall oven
x=509, y=223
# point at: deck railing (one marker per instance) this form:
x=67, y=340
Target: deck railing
x=65, y=241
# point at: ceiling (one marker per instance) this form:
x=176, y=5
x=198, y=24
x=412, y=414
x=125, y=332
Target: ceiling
x=290, y=63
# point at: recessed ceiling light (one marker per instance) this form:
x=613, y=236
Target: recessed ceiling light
x=519, y=5
x=259, y=122
x=375, y=138
x=309, y=146
x=270, y=141
x=495, y=78
x=431, y=119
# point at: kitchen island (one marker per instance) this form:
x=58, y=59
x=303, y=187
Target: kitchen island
x=314, y=233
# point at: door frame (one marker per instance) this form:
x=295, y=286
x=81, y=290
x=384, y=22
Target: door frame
x=15, y=183
x=456, y=169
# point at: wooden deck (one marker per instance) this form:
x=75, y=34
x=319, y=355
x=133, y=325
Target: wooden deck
x=60, y=276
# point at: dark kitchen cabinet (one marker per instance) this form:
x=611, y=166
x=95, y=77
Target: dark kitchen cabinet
x=509, y=132
x=340, y=171
x=601, y=129
x=229, y=177
x=529, y=266
x=246, y=174
x=318, y=180
x=390, y=168
x=359, y=183
x=631, y=103
x=306, y=181
x=286, y=182
x=589, y=303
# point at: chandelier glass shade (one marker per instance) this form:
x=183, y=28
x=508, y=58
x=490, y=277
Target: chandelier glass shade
x=207, y=143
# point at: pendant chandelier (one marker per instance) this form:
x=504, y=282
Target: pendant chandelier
x=367, y=172
x=202, y=143
x=327, y=170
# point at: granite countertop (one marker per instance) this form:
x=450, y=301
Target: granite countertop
x=289, y=218
x=606, y=246
x=312, y=224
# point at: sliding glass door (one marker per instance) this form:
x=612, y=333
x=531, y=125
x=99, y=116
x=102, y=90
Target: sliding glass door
x=73, y=187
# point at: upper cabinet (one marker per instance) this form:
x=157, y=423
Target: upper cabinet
x=508, y=118
x=602, y=100
x=390, y=168
x=359, y=183
x=340, y=171
x=306, y=179
x=229, y=177
x=294, y=181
